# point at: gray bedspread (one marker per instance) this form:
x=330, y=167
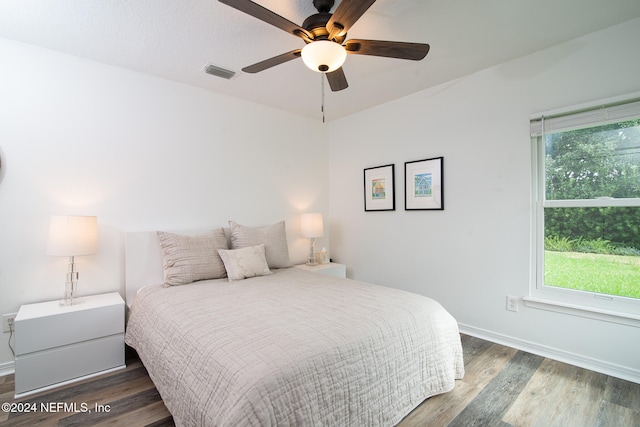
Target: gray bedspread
x=293, y=349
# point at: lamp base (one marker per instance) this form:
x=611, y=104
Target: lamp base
x=312, y=253
x=69, y=302
x=71, y=286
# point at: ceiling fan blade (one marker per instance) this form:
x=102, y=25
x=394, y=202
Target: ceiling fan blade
x=400, y=50
x=337, y=80
x=346, y=14
x=272, y=62
x=265, y=15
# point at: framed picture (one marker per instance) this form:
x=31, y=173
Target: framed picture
x=423, y=185
x=379, y=185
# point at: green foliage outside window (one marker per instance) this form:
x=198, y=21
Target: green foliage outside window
x=592, y=163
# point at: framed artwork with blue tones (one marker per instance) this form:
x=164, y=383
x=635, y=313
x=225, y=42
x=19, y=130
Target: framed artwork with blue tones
x=379, y=188
x=423, y=184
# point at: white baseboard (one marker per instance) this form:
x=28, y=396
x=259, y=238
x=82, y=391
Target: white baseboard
x=7, y=368
x=595, y=365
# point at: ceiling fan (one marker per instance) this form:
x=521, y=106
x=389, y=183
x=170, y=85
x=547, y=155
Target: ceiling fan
x=324, y=34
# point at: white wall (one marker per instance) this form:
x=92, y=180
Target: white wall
x=477, y=251
x=145, y=153
x=141, y=153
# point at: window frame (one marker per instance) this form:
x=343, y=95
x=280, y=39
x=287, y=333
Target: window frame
x=606, y=307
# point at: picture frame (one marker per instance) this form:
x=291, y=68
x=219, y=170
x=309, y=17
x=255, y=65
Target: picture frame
x=424, y=189
x=379, y=188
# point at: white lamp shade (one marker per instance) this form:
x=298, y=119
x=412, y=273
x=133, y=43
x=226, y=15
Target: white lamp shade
x=73, y=235
x=324, y=53
x=311, y=225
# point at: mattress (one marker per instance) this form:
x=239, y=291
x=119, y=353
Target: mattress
x=293, y=348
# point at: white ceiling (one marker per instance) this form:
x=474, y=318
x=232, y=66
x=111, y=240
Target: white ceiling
x=175, y=39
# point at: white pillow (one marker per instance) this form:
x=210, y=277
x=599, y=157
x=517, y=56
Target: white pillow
x=186, y=259
x=244, y=263
x=274, y=238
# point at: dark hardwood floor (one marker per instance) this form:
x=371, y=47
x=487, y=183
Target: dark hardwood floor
x=502, y=387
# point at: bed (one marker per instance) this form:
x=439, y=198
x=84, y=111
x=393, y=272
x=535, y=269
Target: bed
x=284, y=346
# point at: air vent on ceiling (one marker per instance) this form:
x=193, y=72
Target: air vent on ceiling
x=219, y=72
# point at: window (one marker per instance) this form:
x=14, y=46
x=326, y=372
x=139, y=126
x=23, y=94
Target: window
x=586, y=188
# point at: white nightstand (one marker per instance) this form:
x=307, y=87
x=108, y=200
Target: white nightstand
x=57, y=345
x=330, y=269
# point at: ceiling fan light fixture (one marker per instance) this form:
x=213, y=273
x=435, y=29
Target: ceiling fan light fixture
x=324, y=56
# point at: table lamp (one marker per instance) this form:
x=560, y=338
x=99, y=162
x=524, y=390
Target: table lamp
x=311, y=227
x=72, y=236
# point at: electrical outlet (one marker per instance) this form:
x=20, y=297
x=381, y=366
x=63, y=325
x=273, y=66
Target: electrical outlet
x=8, y=319
x=512, y=303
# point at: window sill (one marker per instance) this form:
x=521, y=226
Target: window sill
x=628, y=319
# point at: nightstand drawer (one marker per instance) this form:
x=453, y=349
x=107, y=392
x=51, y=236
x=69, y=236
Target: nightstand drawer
x=46, y=368
x=47, y=325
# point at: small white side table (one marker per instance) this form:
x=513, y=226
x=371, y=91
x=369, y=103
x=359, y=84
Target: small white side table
x=57, y=345
x=330, y=269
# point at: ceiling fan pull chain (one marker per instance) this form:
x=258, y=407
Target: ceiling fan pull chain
x=322, y=95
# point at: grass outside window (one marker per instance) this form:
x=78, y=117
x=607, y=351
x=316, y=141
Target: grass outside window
x=604, y=274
